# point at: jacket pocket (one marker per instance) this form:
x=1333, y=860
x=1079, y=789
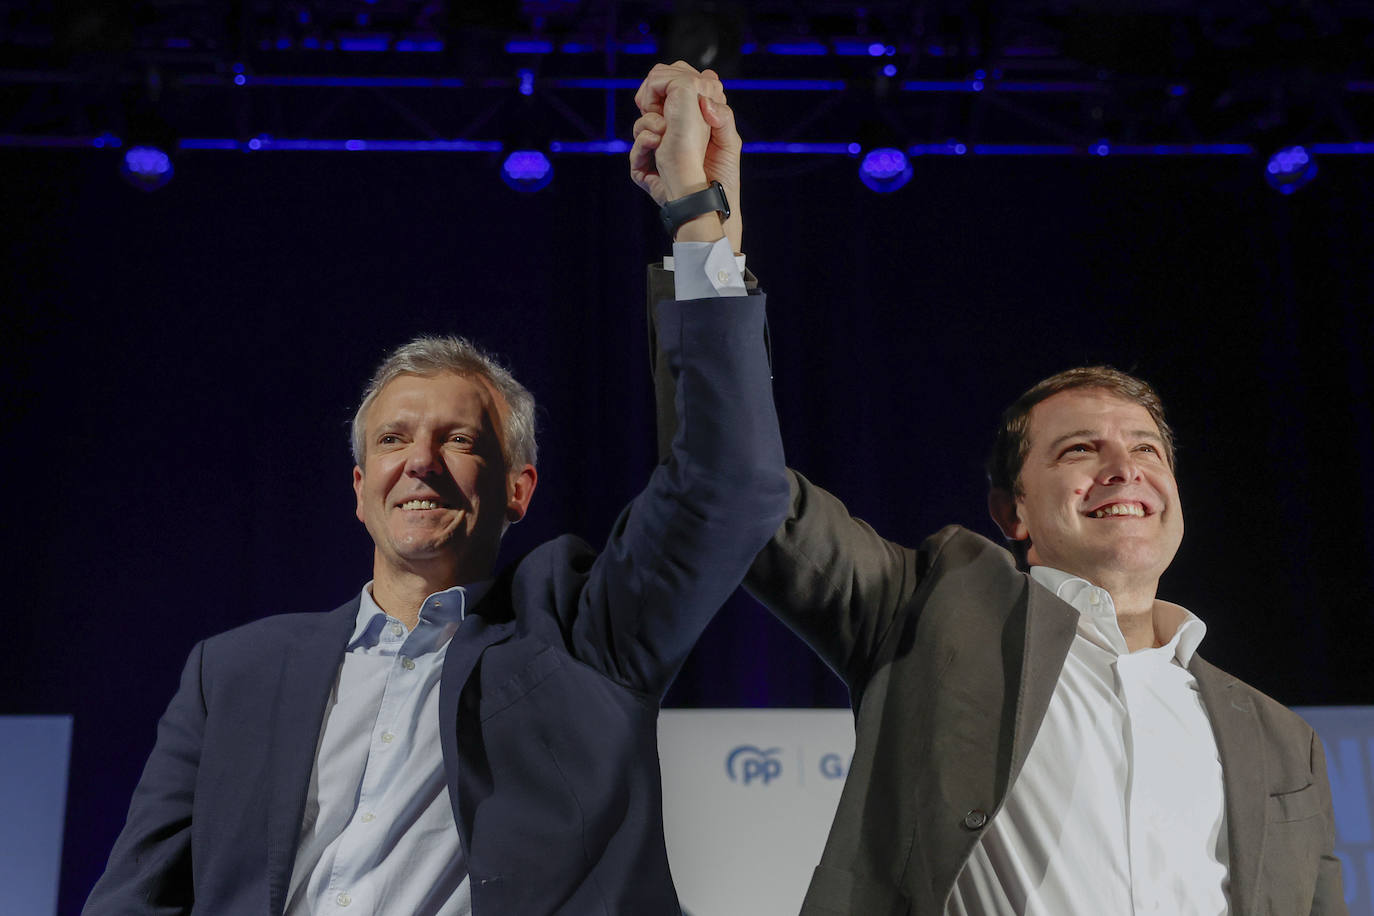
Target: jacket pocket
x=1294, y=806
x=509, y=691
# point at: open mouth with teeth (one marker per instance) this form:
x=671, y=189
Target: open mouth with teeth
x=1131, y=510
x=422, y=504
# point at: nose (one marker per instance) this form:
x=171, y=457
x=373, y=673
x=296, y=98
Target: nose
x=422, y=460
x=1119, y=466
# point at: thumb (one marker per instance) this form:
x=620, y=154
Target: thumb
x=710, y=112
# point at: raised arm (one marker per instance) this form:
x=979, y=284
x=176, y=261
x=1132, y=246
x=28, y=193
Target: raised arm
x=683, y=545
x=834, y=580
x=830, y=577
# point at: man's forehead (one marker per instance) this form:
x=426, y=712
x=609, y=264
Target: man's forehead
x=1090, y=411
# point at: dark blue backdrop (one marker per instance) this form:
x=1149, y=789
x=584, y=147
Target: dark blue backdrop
x=180, y=366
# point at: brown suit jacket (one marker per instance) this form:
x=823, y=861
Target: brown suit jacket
x=951, y=654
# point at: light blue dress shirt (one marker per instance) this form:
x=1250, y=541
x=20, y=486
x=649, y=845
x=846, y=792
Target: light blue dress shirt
x=378, y=834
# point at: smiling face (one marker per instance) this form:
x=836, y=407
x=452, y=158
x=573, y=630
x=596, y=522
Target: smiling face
x=434, y=491
x=1097, y=497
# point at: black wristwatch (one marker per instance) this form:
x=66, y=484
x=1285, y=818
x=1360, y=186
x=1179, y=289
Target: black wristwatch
x=676, y=212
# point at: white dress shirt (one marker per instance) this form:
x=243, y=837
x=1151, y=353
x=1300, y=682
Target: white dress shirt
x=1119, y=808
x=378, y=834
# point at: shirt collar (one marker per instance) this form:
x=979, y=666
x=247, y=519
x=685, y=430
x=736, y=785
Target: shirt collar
x=444, y=608
x=1097, y=616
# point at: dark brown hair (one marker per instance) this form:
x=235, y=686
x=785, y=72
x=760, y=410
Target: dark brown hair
x=1012, y=445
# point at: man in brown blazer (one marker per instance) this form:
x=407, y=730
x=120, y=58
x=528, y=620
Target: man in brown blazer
x=1035, y=729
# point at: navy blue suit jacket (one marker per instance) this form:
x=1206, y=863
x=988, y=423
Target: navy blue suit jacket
x=549, y=695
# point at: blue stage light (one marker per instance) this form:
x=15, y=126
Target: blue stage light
x=146, y=168
x=529, y=46
x=527, y=170
x=884, y=169
x=1289, y=169
x=801, y=47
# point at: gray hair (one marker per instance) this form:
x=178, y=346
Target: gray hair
x=428, y=356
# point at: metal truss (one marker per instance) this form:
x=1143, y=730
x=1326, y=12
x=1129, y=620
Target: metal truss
x=991, y=78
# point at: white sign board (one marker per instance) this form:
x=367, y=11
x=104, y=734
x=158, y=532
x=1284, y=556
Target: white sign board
x=748, y=796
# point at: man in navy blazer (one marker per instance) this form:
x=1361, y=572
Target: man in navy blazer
x=447, y=743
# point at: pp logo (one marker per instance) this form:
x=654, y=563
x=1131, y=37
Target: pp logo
x=747, y=763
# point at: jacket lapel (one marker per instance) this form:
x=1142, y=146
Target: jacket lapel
x=488, y=623
x=308, y=667
x=1241, y=749
x=1050, y=627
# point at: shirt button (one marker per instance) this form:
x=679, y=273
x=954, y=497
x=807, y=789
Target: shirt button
x=408, y=664
x=343, y=899
x=397, y=629
x=975, y=819
x=722, y=276
x=368, y=818
x=387, y=736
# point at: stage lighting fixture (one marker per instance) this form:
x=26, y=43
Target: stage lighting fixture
x=146, y=168
x=1289, y=169
x=527, y=170
x=884, y=169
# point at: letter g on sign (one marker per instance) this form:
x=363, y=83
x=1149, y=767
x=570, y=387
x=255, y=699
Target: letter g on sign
x=833, y=766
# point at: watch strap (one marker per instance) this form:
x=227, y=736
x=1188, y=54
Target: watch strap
x=676, y=212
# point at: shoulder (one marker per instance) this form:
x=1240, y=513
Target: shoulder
x=254, y=637
x=955, y=548
x=966, y=544
x=566, y=556
x=549, y=578
x=1276, y=720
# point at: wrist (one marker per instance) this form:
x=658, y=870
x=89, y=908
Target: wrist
x=681, y=185
x=699, y=216
x=703, y=228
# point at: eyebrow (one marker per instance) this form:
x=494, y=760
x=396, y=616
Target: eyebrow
x=1092, y=434
x=390, y=426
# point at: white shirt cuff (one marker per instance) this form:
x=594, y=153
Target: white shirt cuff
x=703, y=270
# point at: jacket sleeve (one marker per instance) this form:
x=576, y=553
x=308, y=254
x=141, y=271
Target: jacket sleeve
x=149, y=870
x=683, y=544
x=834, y=580
x=828, y=576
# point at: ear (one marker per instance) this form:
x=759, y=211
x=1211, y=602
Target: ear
x=519, y=492
x=358, y=492
x=1002, y=508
